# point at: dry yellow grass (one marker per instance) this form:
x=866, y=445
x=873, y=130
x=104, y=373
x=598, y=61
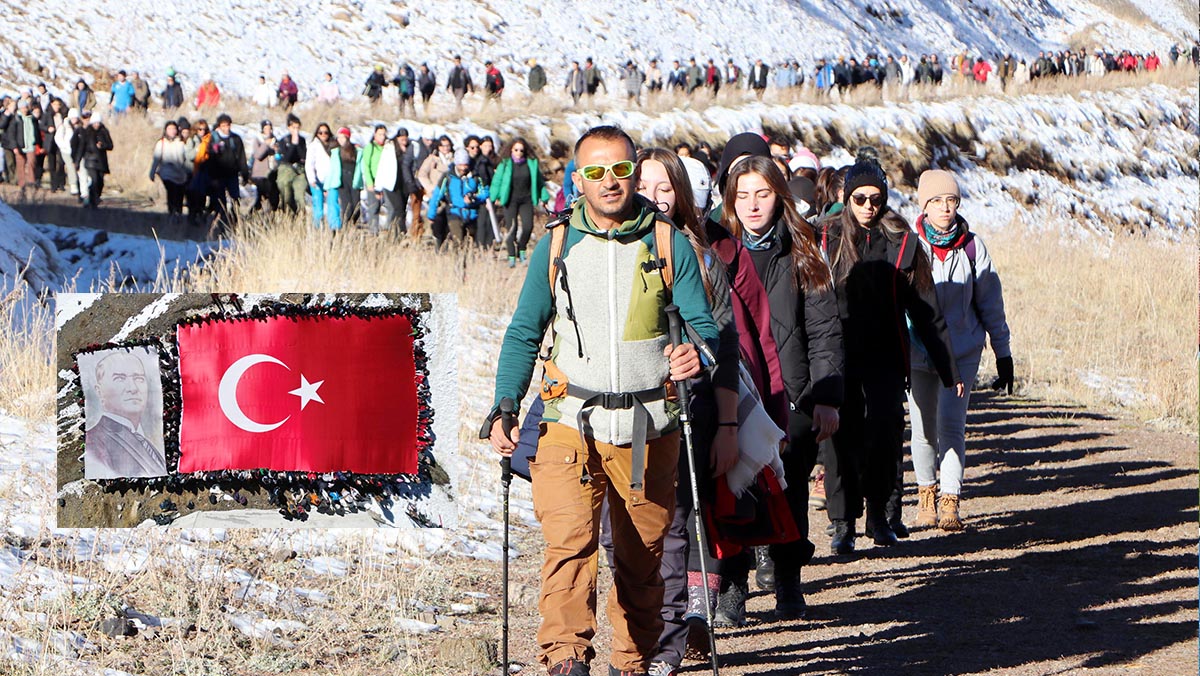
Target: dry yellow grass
x=282, y=254
x=26, y=351
x=1117, y=312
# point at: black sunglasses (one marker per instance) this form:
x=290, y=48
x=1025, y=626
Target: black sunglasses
x=860, y=200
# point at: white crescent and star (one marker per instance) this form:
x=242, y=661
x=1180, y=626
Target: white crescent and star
x=227, y=393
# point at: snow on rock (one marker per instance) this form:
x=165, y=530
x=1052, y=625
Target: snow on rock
x=412, y=626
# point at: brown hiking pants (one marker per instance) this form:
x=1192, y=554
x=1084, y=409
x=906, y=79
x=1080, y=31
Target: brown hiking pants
x=569, y=511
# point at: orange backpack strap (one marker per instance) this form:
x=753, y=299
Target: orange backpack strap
x=664, y=249
x=558, y=240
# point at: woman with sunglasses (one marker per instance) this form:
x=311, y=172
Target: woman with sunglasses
x=880, y=273
x=759, y=212
x=316, y=170
x=518, y=186
x=969, y=293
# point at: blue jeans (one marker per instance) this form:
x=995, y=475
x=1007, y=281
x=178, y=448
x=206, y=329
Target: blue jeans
x=325, y=203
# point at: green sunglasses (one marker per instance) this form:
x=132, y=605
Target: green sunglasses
x=596, y=172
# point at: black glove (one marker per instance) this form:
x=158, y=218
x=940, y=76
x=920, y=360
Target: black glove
x=1004, y=374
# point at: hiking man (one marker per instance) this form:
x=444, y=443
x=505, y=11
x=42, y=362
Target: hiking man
x=459, y=83
x=373, y=88
x=493, y=83
x=591, y=76
x=406, y=84
x=606, y=428
x=537, y=77
x=575, y=83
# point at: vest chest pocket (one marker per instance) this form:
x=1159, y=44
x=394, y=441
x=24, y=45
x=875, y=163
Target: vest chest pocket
x=646, y=319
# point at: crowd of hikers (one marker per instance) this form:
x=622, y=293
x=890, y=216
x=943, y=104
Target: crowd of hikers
x=813, y=309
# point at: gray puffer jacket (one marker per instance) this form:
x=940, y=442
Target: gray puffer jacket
x=973, y=306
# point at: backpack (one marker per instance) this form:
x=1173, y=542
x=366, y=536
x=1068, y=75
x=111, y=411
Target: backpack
x=202, y=150
x=495, y=81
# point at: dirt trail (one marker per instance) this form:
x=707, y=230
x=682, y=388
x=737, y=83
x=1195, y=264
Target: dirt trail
x=1081, y=557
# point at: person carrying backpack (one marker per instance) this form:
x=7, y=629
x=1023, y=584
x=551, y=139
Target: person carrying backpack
x=373, y=88
x=494, y=83
x=880, y=273
x=971, y=299
x=406, y=84
x=608, y=427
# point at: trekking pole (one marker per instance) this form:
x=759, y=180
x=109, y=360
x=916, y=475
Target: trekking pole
x=675, y=331
x=508, y=420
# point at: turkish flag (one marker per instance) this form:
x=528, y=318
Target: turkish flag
x=310, y=394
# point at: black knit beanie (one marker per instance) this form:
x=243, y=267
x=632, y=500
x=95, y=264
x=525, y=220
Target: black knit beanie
x=866, y=171
x=745, y=143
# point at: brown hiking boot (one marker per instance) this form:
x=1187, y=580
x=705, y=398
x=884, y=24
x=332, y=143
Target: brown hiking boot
x=948, y=513
x=927, y=516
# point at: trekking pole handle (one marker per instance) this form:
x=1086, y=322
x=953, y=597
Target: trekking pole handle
x=508, y=420
x=675, y=332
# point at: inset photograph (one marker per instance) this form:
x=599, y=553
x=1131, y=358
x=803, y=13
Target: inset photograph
x=122, y=394
x=257, y=410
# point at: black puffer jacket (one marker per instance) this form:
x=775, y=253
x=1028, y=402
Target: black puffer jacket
x=806, y=330
x=227, y=157
x=873, y=300
x=90, y=146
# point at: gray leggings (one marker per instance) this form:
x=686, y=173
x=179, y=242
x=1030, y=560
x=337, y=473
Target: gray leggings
x=520, y=229
x=939, y=424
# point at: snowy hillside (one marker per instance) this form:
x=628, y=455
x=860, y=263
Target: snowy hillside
x=236, y=40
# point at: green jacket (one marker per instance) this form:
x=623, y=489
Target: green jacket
x=619, y=309
x=537, y=78
x=333, y=179
x=501, y=186
x=368, y=161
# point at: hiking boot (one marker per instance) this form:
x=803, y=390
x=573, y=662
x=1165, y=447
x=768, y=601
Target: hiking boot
x=816, y=496
x=877, y=526
x=570, y=667
x=613, y=671
x=927, y=516
x=829, y=528
x=895, y=515
x=659, y=668
x=764, y=576
x=842, y=542
x=512, y=261
x=731, y=606
x=789, y=599
x=948, y=513
x=698, y=646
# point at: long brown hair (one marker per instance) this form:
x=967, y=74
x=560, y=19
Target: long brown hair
x=894, y=227
x=811, y=273
x=686, y=216
x=506, y=151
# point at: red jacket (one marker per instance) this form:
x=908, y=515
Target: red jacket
x=208, y=95
x=982, y=68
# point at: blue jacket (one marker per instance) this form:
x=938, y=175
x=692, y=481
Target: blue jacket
x=825, y=77
x=456, y=189
x=122, y=96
